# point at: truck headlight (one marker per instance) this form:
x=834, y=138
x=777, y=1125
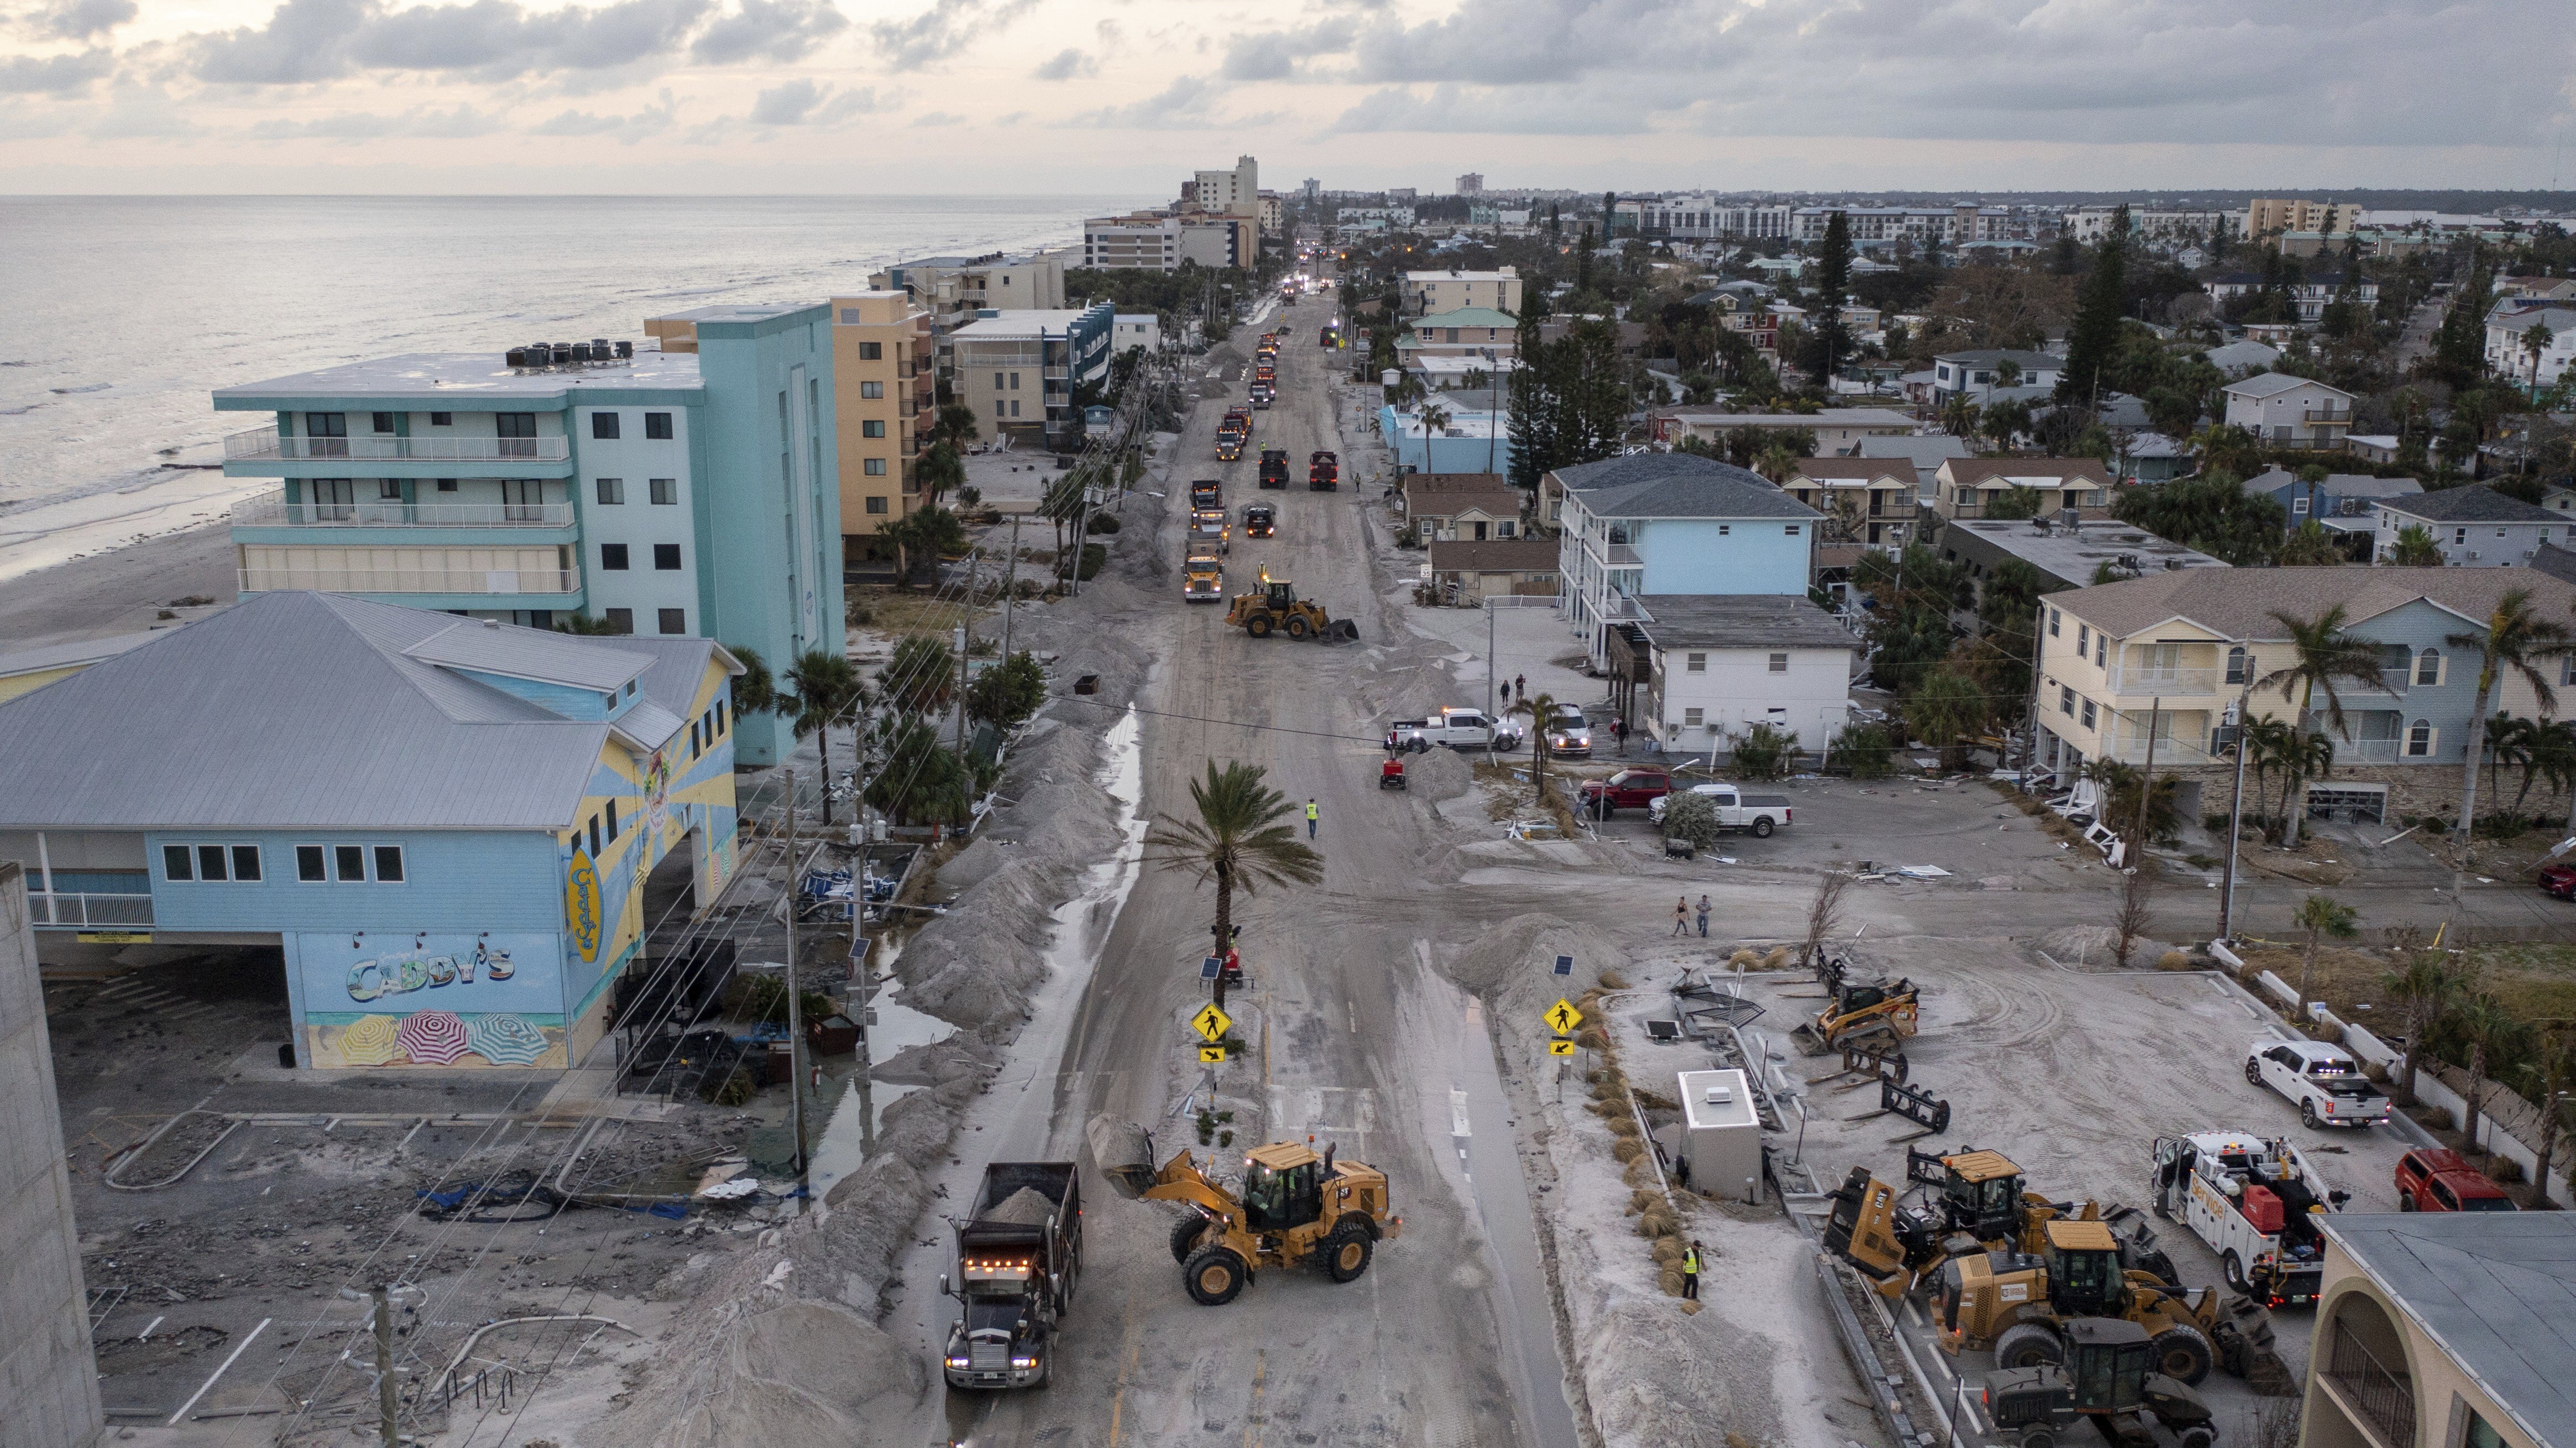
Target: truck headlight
x=1024, y=1362
x=959, y=1362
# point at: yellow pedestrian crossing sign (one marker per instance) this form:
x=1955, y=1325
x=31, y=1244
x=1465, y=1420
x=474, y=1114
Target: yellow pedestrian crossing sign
x=1560, y=1047
x=1211, y=1055
x=1211, y=1022
x=1563, y=1017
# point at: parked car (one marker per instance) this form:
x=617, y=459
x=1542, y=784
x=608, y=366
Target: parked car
x=2438, y=1179
x=1759, y=814
x=2324, y=1082
x=1454, y=727
x=1569, y=734
x=2558, y=880
x=1628, y=789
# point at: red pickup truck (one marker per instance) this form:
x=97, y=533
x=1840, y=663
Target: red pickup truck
x=2435, y=1179
x=1628, y=789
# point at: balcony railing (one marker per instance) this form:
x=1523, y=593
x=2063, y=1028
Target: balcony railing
x=2175, y=682
x=2385, y=1398
x=1619, y=555
x=262, y=444
x=2327, y=414
x=73, y=911
x=412, y=580
x=276, y=512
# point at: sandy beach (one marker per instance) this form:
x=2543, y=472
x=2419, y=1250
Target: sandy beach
x=118, y=591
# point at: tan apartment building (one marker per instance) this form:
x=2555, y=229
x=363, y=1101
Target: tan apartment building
x=1429, y=292
x=1878, y=493
x=1968, y=487
x=955, y=289
x=2268, y=216
x=884, y=395
x=2444, y=1330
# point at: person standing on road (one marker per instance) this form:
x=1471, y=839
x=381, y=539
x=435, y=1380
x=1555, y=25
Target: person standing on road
x=1619, y=734
x=1521, y=683
x=1703, y=917
x=1312, y=814
x=1681, y=915
x=1690, y=1272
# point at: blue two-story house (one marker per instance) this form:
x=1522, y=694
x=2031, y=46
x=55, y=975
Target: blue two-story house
x=449, y=829
x=2343, y=503
x=1669, y=523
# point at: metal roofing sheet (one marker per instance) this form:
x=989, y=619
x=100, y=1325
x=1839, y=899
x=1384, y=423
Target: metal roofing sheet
x=526, y=653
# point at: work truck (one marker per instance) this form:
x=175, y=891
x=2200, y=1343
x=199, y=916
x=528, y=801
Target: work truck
x=1019, y=1251
x=1756, y=814
x=2324, y=1082
x=1323, y=472
x=1202, y=578
x=1274, y=467
x=1454, y=728
x=2255, y=1201
x=1628, y=789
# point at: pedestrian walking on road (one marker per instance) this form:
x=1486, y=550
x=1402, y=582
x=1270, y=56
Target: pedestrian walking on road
x=1690, y=1272
x=1521, y=682
x=1619, y=734
x=1681, y=916
x=1312, y=814
x=1703, y=917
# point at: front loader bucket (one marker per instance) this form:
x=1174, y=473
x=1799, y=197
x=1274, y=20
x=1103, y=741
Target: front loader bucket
x=1810, y=1040
x=1340, y=631
x=1123, y=1152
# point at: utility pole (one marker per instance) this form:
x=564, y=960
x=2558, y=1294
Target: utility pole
x=387, y=1401
x=2147, y=778
x=795, y=998
x=961, y=693
x=1010, y=585
x=2236, y=805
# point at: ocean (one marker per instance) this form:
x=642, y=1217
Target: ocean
x=120, y=315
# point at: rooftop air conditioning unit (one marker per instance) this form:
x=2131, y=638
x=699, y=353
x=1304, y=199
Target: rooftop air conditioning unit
x=1720, y=1095
x=2070, y=516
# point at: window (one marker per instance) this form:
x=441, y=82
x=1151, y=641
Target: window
x=876, y=504
x=1694, y=717
x=389, y=864
x=666, y=557
x=674, y=620
x=210, y=862
x=666, y=491
x=876, y=467
x=594, y=837
x=2102, y=650
x=612, y=556
x=872, y=427
x=447, y=485
x=2476, y=1431
x=1015, y=407
x=724, y=717
x=2066, y=701
x=326, y=435
x=2088, y=714
x=2459, y=535
x=308, y=864
x=612, y=821
x=621, y=620
x=1695, y=663
x=1791, y=530
x=2299, y=505
x=2083, y=638
x=177, y=863
x=246, y=862
x=1779, y=663
x=388, y=490
x=872, y=351
x=442, y=419
x=2428, y=667
x=603, y=425
x=518, y=433
x=612, y=491
x=2419, y=739
x=1015, y=382
x=2052, y=623
x=657, y=426
x=997, y=381
x=349, y=864
x=871, y=390
x=384, y=422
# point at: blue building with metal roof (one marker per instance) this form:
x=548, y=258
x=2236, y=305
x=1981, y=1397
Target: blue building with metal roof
x=457, y=832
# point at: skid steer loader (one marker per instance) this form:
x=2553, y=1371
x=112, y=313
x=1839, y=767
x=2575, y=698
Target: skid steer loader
x=1294, y=1209
x=1876, y=1014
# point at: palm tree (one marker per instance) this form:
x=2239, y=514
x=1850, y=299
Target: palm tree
x=2304, y=757
x=954, y=425
x=2320, y=917
x=1946, y=707
x=1540, y=710
x=2492, y=1032
x=826, y=691
x=2557, y=1067
x=2266, y=743
x=2424, y=990
x=2321, y=653
x=1959, y=416
x=2510, y=741
x=2415, y=548
x=755, y=691
x=1435, y=419
x=2515, y=638
x=2535, y=341
x=1244, y=835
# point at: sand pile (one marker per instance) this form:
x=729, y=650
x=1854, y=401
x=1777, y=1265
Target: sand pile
x=1027, y=1207
x=1438, y=774
x=759, y=1366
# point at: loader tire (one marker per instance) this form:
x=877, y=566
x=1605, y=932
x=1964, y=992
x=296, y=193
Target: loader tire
x=1296, y=626
x=1347, y=1251
x=1185, y=1235
x=1214, y=1276
x=2199, y=1435
x=2029, y=1345
x=1257, y=626
x=2182, y=1354
x=2038, y=1435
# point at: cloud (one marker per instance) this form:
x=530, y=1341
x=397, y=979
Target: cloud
x=1068, y=64
x=1493, y=112
x=420, y=121
x=1274, y=55
x=937, y=118
x=77, y=19
x=627, y=130
x=55, y=74
x=946, y=28
x=773, y=30
x=1184, y=105
x=807, y=103
x=144, y=112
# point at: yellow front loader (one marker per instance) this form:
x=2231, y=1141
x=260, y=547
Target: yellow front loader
x=1294, y=1209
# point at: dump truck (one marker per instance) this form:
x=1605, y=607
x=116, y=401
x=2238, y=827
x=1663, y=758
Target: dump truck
x=1292, y=1208
x=1202, y=579
x=1323, y=472
x=2107, y=1375
x=1207, y=493
x=1275, y=606
x=1274, y=467
x=1019, y=1251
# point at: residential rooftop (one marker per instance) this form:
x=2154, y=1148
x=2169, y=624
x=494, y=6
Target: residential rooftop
x=1740, y=620
x=1823, y=417
x=2497, y=1290
x=2042, y=472
x=1005, y=325
x=1677, y=485
x=2076, y=554
x=2240, y=602
x=1494, y=555
x=466, y=381
x=1992, y=356
x=2475, y=503
x=2273, y=384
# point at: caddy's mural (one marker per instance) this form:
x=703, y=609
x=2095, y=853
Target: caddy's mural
x=428, y=999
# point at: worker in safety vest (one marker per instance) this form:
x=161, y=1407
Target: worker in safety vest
x=1690, y=1272
x=1312, y=814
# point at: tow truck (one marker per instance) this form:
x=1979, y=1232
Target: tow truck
x=2255, y=1201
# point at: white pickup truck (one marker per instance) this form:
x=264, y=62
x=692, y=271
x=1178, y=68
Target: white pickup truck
x=1758, y=813
x=2325, y=1083
x=1453, y=727
x=2255, y=1201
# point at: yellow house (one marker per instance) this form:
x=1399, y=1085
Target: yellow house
x=32, y=669
x=2445, y=1330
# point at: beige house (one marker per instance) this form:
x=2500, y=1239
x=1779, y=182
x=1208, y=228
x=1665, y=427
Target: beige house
x=1838, y=430
x=1967, y=487
x=1468, y=507
x=2445, y=1330
x=1468, y=572
x=883, y=395
x=1428, y=292
x=1877, y=495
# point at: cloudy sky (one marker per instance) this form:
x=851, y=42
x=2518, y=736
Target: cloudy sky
x=1052, y=96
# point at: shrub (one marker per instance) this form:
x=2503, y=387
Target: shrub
x=1866, y=751
x=1691, y=817
x=1626, y=1149
x=1008, y=692
x=1102, y=523
x=1763, y=752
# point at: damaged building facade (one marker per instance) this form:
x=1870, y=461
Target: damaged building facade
x=456, y=832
